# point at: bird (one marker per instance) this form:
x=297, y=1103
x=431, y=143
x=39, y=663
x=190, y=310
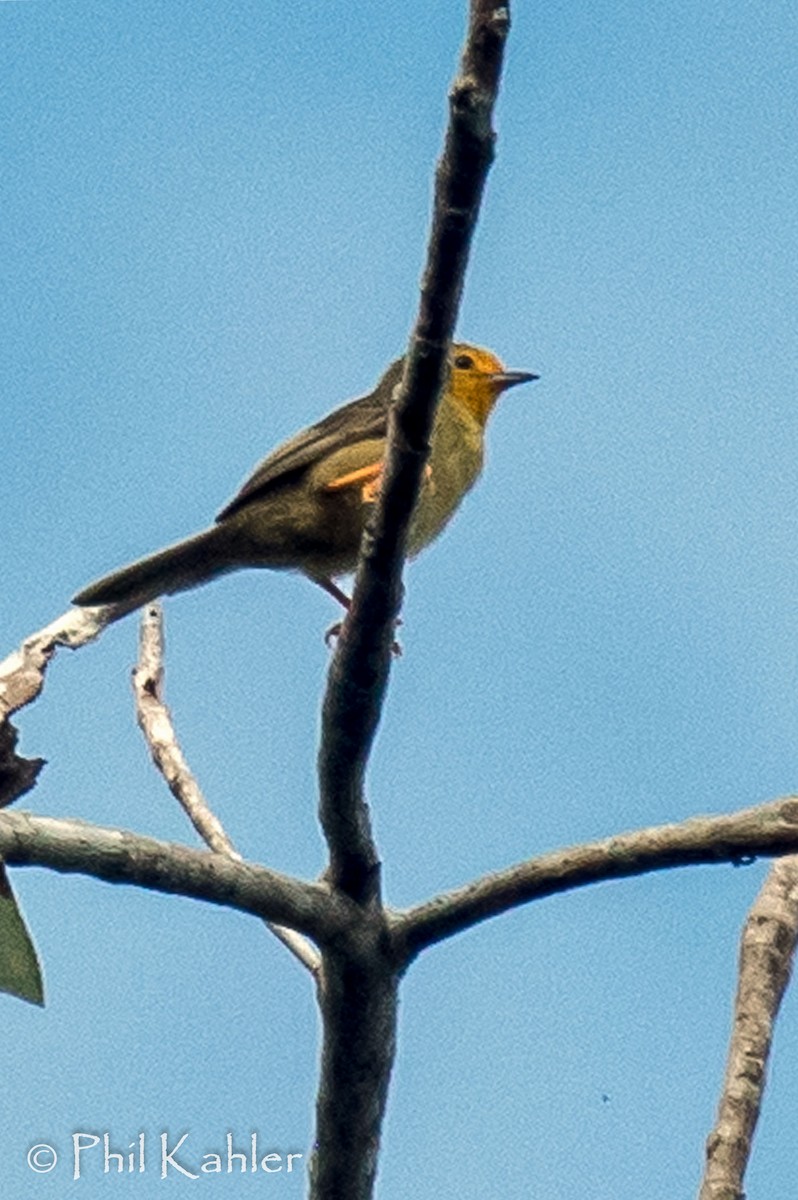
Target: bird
x=305, y=506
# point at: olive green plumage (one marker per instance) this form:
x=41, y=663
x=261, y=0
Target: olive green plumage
x=305, y=506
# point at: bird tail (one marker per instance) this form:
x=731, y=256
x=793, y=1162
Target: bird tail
x=178, y=567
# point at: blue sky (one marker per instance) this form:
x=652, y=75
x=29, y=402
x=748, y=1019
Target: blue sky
x=214, y=220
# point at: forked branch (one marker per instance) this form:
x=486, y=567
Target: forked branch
x=359, y=997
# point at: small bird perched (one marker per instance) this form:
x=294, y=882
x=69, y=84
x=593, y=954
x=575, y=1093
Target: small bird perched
x=304, y=507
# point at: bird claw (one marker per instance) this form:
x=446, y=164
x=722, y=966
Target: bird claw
x=335, y=632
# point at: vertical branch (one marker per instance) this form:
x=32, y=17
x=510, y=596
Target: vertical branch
x=359, y=996
x=359, y=671
x=766, y=956
x=359, y=1010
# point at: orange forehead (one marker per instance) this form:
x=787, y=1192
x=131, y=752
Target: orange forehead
x=485, y=361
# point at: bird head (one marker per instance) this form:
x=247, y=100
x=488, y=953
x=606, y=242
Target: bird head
x=477, y=378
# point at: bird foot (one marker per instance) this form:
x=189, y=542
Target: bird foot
x=334, y=632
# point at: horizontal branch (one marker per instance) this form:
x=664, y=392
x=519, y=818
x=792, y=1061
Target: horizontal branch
x=767, y=830
x=119, y=856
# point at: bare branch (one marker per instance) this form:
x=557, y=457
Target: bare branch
x=359, y=671
x=155, y=722
x=21, y=680
x=22, y=673
x=359, y=996
x=18, y=775
x=119, y=856
x=359, y=1010
x=769, y=829
x=767, y=949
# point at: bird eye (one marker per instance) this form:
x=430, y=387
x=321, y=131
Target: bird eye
x=464, y=362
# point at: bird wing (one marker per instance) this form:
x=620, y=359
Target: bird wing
x=364, y=419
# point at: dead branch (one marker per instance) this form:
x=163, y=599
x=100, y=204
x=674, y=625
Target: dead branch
x=155, y=722
x=767, y=949
x=22, y=679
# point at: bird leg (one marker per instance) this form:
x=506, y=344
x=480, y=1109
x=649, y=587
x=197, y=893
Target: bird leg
x=334, y=631
x=332, y=589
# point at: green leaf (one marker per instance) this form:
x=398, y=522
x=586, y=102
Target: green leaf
x=20, y=973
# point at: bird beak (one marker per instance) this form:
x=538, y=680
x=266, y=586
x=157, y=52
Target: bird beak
x=507, y=379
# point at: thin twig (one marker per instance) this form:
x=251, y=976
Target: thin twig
x=768, y=829
x=767, y=949
x=155, y=722
x=22, y=679
x=22, y=672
